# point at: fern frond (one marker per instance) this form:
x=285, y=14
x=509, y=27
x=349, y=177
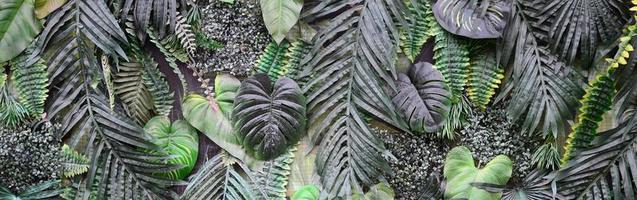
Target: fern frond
x=159, y=90
x=31, y=84
x=218, y=179
x=12, y=113
x=418, y=29
x=273, y=176
x=172, y=55
x=73, y=163
x=451, y=56
x=185, y=34
x=129, y=87
x=272, y=60
x=293, y=57
x=485, y=75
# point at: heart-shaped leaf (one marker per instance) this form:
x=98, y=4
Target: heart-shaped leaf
x=179, y=140
x=423, y=98
x=308, y=192
x=269, y=118
x=478, y=19
x=18, y=27
x=226, y=87
x=280, y=16
x=461, y=172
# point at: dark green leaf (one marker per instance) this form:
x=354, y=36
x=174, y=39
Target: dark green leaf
x=476, y=19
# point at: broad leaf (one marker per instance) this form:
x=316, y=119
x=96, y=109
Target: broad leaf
x=269, y=117
x=205, y=115
x=45, y=7
x=461, y=173
x=308, y=192
x=226, y=87
x=476, y=19
x=218, y=179
x=280, y=16
x=179, y=140
x=18, y=27
x=423, y=98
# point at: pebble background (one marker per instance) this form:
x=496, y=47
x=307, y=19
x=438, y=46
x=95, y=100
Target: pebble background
x=28, y=157
x=240, y=28
x=487, y=134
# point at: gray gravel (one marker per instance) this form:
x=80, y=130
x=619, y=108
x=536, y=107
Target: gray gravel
x=487, y=134
x=240, y=28
x=28, y=155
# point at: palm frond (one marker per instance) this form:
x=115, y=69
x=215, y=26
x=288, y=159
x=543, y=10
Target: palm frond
x=418, y=29
x=130, y=88
x=108, y=80
x=533, y=187
x=44, y=190
x=218, y=179
x=577, y=28
x=73, y=163
x=112, y=143
x=485, y=75
x=606, y=170
x=547, y=156
x=158, y=14
x=353, y=73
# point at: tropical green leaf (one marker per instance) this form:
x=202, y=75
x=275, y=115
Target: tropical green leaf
x=179, y=140
x=273, y=176
x=73, y=163
x=18, y=27
x=44, y=7
x=461, y=173
x=25, y=89
x=159, y=90
x=269, y=117
x=380, y=191
x=451, y=55
x=418, y=29
x=308, y=192
x=272, y=60
x=547, y=156
x=226, y=88
x=280, y=16
x=44, y=190
x=218, y=179
x=473, y=18
x=206, y=116
x=352, y=71
x=423, y=98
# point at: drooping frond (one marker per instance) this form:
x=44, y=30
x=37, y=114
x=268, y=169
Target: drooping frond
x=544, y=91
x=185, y=34
x=272, y=178
x=159, y=90
x=218, y=179
x=31, y=84
x=295, y=53
x=485, y=75
x=353, y=73
x=158, y=14
x=130, y=88
x=451, y=56
x=172, y=52
x=113, y=143
x=73, y=163
x=418, y=29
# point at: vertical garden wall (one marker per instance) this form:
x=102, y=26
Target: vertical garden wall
x=318, y=99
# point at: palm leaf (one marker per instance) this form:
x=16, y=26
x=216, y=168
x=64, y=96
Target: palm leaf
x=606, y=170
x=451, y=55
x=269, y=117
x=149, y=14
x=130, y=88
x=533, y=187
x=44, y=190
x=353, y=73
x=423, y=98
x=476, y=19
x=18, y=27
x=218, y=179
x=576, y=28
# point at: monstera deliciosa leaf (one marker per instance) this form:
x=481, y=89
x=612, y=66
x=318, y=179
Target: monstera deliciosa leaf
x=179, y=140
x=269, y=117
x=461, y=173
x=280, y=16
x=476, y=19
x=18, y=27
x=423, y=98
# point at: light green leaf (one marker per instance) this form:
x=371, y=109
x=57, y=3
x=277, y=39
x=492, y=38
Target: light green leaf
x=45, y=7
x=302, y=170
x=206, y=116
x=308, y=192
x=179, y=140
x=280, y=16
x=460, y=172
x=380, y=191
x=226, y=87
x=18, y=27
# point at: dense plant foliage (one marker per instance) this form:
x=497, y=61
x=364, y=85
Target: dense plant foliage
x=308, y=99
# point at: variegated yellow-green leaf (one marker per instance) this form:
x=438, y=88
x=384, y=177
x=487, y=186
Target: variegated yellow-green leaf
x=18, y=27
